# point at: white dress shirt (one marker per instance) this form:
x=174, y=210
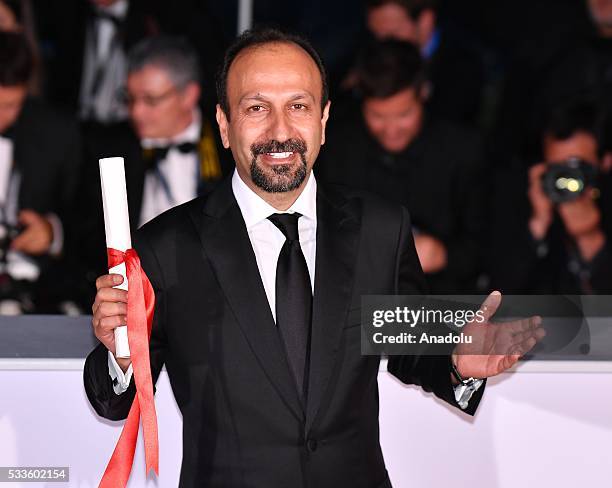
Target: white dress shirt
x=180, y=171
x=267, y=241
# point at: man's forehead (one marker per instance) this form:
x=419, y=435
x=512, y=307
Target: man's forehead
x=578, y=144
x=275, y=67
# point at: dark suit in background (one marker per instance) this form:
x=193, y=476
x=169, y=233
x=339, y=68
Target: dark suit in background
x=243, y=424
x=457, y=78
x=438, y=178
x=63, y=31
x=47, y=155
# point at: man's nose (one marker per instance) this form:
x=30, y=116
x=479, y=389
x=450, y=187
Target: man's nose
x=280, y=128
x=137, y=110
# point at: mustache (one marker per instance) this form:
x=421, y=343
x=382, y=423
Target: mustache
x=290, y=145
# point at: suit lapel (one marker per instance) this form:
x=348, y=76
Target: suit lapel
x=226, y=243
x=338, y=230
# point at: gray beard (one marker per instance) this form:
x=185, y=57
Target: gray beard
x=280, y=179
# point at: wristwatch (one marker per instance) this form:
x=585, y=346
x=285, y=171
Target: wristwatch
x=466, y=382
x=466, y=387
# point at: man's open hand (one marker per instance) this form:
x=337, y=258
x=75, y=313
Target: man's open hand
x=495, y=347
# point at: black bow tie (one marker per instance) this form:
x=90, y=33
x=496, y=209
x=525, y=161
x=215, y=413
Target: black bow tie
x=157, y=154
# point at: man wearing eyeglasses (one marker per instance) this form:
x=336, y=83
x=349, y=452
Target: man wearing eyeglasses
x=170, y=148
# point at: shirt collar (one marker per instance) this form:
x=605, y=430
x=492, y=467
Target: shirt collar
x=190, y=134
x=255, y=209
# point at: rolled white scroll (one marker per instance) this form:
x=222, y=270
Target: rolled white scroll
x=117, y=227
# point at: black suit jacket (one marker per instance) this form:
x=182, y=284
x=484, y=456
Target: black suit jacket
x=243, y=424
x=457, y=75
x=47, y=155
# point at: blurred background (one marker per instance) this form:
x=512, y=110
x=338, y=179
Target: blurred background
x=490, y=121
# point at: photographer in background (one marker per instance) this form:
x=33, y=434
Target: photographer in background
x=39, y=162
x=551, y=226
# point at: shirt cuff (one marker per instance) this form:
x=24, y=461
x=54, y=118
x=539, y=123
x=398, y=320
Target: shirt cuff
x=121, y=380
x=463, y=393
x=57, y=244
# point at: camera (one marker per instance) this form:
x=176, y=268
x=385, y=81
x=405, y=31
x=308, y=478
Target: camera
x=565, y=181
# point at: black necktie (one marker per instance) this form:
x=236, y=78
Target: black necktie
x=293, y=300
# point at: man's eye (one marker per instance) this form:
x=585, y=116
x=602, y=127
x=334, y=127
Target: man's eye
x=298, y=106
x=255, y=108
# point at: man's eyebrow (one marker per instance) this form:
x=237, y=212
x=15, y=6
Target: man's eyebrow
x=300, y=96
x=258, y=97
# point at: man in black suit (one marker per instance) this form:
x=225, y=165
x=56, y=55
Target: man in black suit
x=456, y=72
x=39, y=165
x=87, y=43
x=269, y=377
x=393, y=146
x=171, y=151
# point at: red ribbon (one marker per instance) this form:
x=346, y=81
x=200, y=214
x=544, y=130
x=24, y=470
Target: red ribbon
x=140, y=306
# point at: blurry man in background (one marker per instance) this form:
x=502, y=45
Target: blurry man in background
x=456, y=74
x=396, y=149
x=555, y=238
x=39, y=164
x=170, y=149
x=87, y=41
x=87, y=50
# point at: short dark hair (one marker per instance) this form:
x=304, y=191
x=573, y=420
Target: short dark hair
x=16, y=60
x=565, y=120
x=414, y=8
x=385, y=68
x=172, y=54
x=259, y=37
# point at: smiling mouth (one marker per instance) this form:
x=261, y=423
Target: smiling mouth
x=280, y=155
x=278, y=158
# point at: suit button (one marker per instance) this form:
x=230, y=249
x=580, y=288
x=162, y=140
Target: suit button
x=311, y=444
